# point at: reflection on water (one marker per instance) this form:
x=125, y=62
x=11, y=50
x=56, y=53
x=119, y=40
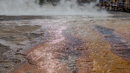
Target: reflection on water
x=119, y=47
x=61, y=50
x=64, y=45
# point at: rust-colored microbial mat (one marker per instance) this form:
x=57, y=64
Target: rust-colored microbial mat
x=68, y=44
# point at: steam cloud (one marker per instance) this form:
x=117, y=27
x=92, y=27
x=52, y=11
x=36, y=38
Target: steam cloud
x=30, y=7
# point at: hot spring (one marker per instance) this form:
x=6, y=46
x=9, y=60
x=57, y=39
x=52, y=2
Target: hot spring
x=64, y=7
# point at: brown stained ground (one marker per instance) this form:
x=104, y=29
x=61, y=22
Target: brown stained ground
x=17, y=33
x=80, y=46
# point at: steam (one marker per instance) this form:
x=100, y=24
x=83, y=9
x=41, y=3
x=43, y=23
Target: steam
x=64, y=7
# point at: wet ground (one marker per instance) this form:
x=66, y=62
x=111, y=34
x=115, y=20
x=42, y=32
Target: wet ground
x=65, y=44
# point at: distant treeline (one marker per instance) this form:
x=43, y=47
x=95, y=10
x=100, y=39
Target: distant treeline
x=54, y=2
x=41, y=2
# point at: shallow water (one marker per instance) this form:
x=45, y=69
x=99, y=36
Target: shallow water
x=120, y=47
x=70, y=44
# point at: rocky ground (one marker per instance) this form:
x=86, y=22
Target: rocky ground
x=65, y=44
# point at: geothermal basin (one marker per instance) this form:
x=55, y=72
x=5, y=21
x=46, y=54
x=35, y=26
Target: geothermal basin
x=65, y=44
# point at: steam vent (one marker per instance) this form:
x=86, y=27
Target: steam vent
x=64, y=36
